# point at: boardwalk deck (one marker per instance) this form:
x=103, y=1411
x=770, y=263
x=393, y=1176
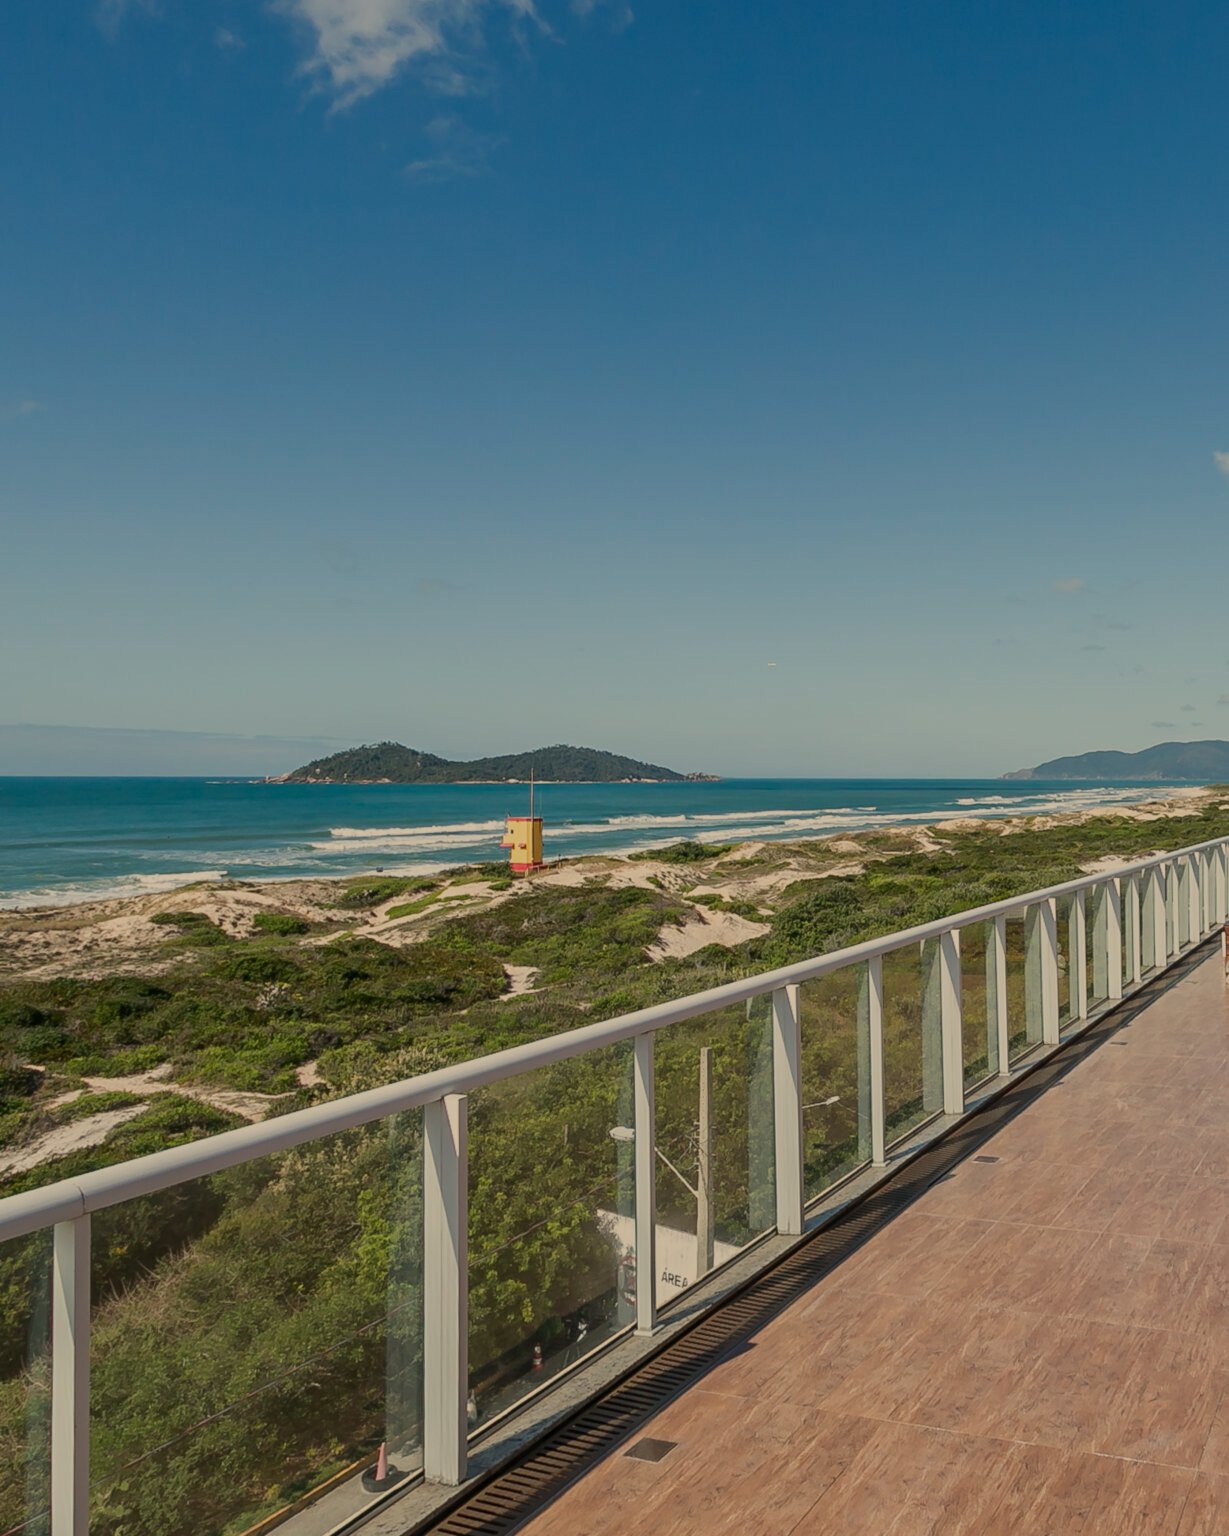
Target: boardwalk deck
x=1039, y=1344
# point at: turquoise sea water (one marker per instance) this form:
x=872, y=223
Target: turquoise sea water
x=64, y=840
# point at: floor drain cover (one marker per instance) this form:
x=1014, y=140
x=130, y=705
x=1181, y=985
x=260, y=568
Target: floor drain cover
x=651, y=1450
x=985, y=1159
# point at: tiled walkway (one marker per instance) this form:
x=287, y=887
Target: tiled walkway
x=1038, y=1345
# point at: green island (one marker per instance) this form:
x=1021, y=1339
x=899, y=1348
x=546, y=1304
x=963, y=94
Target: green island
x=256, y=1331
x=388, y=762
x=1170, y=762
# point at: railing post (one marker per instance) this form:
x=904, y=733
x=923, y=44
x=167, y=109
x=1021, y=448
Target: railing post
x=445, y=1288
x=953, y=1032
x=1002, y=1030
x=1173, y=933
x=1048, y=914
x=646, y=1187
x=70, y=1378
x=1111, y=905
x=1222, y=883
x=874, y=1009
x=1077, y=960
x=787, y=1107
x=1195, y=897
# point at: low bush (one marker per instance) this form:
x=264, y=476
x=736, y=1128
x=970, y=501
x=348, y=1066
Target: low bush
x=283, y=924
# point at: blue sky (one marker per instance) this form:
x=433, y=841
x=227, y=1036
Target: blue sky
x=816, y=388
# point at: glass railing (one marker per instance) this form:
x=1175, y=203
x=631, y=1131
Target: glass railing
x=330, y=1304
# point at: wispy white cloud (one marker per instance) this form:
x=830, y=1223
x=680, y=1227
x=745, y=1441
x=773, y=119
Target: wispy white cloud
x=228, y=40
x=456, y=149
x=621, y=14
x=1187, y=709
x=1222, y=462
x=1164, y=725
x=110, y=13
x=358, y=46
x=1069, y=584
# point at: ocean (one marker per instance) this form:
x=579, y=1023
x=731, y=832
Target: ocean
x=76, y=839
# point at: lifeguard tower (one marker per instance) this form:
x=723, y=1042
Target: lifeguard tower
x=523, y=835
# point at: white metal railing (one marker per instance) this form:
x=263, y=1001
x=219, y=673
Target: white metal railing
x=1145, y=907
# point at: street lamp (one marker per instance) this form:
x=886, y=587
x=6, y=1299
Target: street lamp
x=625, y=1133
x=702, y=1191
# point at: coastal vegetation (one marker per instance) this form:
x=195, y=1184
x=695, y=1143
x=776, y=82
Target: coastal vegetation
x=258, y=1330
x=388, y=762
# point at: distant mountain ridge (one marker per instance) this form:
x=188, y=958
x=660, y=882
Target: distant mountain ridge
x=388, y=762
x=1200, y=762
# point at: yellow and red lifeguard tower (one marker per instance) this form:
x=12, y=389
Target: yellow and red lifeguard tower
x=523, y=835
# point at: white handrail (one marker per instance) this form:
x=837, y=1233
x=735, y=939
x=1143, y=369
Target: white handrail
x=68, y=1198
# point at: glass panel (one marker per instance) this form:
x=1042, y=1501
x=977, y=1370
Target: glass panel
x=1150, y=896
x=1070, y=948
x=257, y=1334
x=978, y=999
x=25, y=1385
x=1131, y=909
x=1207, y=887
x=1018, y=1037
x=552, y=1259
x=716, y=1178
x=1034, y=976
x=1186, y=877
x=835, y=1077
x=912, y=1038
x=1097, y=914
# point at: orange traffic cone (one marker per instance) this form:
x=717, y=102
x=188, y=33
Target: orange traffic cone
x=382, y=1463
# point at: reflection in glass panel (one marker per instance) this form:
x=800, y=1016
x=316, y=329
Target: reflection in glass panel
x=1069, y=950
x=912, y=1038
x=978, y=1003
x=1016, y=931
x=1034, y=975
x=716, y=1153
x=1186, y=880
x=25, y=1384
x=1098, y=900
x=1128, y=887
x=256, y=1334
x=835, y=1076
x=552, y=1260
x=1150, y=897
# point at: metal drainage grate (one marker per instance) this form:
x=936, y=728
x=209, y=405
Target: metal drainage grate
x=508, y=1497
x=649, y=1449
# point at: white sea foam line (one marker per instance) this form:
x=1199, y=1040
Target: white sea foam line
x=453, y=837
x=105, y=888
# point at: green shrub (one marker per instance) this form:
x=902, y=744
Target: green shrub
x=283, y=924
x=688, y=851
x=407, y=908
x=370, y=891
x=95, y=1104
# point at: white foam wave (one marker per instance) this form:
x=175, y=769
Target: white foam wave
x=105, y=889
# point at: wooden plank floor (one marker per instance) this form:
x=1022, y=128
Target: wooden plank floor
x=1038, y=1345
